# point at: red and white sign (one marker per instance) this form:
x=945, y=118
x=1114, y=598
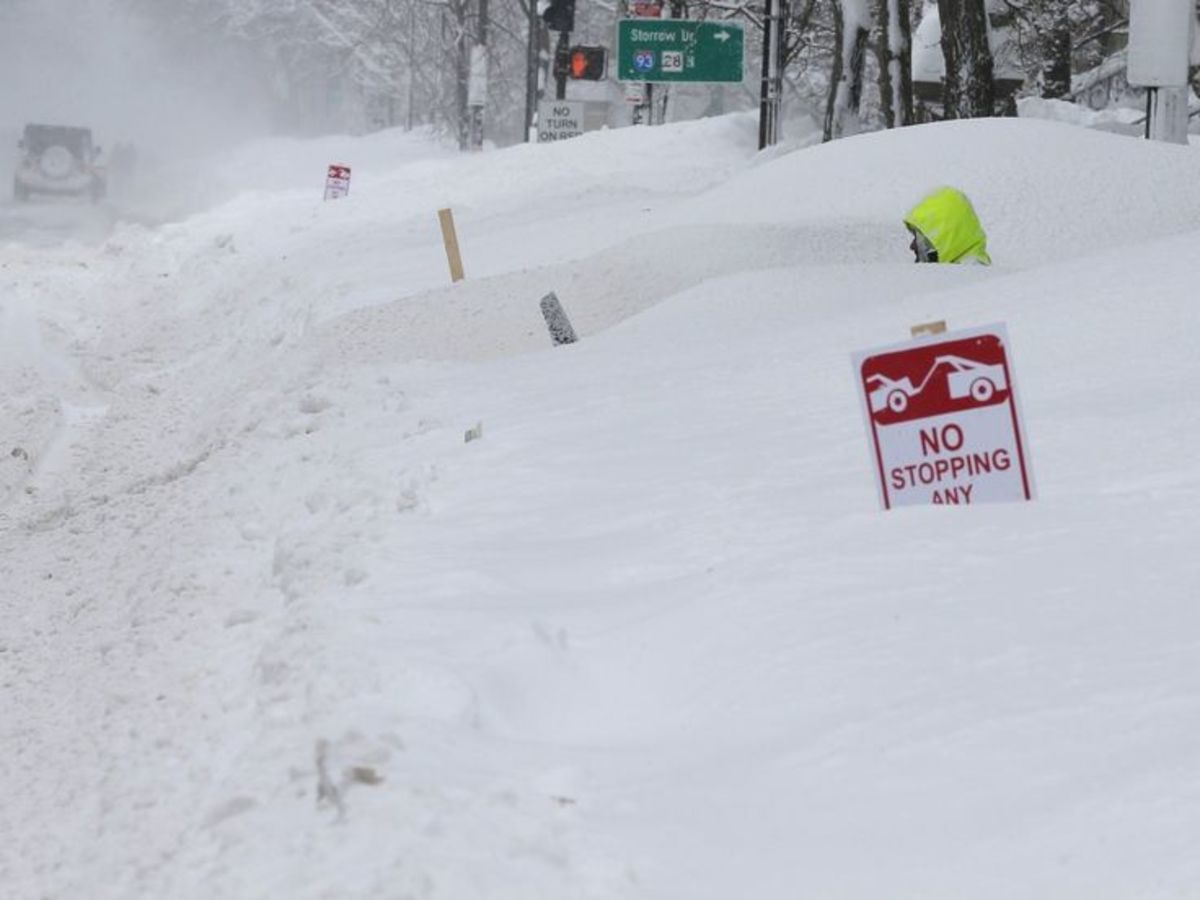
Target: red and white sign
x=337, y=182
x=943, y=420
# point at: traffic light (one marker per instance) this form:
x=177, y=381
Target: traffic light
x=587, y=63
x=560, y=15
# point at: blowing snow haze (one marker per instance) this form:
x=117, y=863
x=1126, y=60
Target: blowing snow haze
x=97, y=63
x=102, y=65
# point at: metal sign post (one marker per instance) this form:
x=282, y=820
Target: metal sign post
x=1160, y=41
x=771, y=94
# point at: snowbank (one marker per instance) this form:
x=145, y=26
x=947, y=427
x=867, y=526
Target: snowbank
x=1121, y=119
x=269, y=627
x=1044, y=190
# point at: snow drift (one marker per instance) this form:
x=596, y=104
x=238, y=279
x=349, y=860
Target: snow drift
x=269, y=627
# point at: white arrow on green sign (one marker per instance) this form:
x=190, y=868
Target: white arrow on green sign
x=679, y=50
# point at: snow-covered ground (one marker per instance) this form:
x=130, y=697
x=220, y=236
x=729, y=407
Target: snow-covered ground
x=269, y=627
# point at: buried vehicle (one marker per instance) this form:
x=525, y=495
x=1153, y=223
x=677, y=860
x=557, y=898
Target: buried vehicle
x=58, y=159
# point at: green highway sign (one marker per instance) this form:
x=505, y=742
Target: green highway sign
x=679, y=50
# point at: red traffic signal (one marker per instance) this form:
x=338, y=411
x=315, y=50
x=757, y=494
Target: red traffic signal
x=587, y=63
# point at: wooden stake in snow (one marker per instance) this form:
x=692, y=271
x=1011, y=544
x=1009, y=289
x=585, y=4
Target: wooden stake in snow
x=450, y=239
x=561, y=331
x=929, y=329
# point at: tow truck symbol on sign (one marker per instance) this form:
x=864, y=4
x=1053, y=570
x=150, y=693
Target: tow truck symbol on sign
x=966, y=379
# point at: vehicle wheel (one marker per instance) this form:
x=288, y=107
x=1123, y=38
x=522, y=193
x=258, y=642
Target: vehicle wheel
x=897, y=401
x=982, y=390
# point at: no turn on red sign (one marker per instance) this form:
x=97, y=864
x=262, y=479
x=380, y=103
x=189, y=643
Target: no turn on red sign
x=943, y=420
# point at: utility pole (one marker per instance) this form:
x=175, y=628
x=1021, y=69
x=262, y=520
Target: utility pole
x=678, y=11
x=970, y=87
x=531, y=70
x=412, y=30
x=477, y=84
x=771, y=93
x=457, y=10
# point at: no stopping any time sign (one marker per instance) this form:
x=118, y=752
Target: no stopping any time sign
x=943, y=420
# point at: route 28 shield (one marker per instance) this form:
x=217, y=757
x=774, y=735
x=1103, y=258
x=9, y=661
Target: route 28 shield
x=943, y=421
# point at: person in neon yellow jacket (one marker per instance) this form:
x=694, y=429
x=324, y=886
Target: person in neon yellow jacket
x=945, y=229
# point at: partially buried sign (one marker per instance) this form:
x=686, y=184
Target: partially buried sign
x=337, y=182
x=943, y=420
x=559, y=120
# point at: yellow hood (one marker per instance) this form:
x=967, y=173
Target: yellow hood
x=948, y=220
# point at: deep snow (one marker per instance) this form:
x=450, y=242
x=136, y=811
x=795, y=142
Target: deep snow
x=270, y=628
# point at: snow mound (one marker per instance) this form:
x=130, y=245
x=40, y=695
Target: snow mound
x=1044, y=190
x=271, y=627
x=1120, y=119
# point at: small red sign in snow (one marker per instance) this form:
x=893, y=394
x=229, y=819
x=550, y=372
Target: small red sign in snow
x=337, y=182
x=943, y=420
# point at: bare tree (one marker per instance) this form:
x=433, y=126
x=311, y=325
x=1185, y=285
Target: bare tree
x=1049, y=37
x=851, y=29
x=970, y=88
x=894, y=52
